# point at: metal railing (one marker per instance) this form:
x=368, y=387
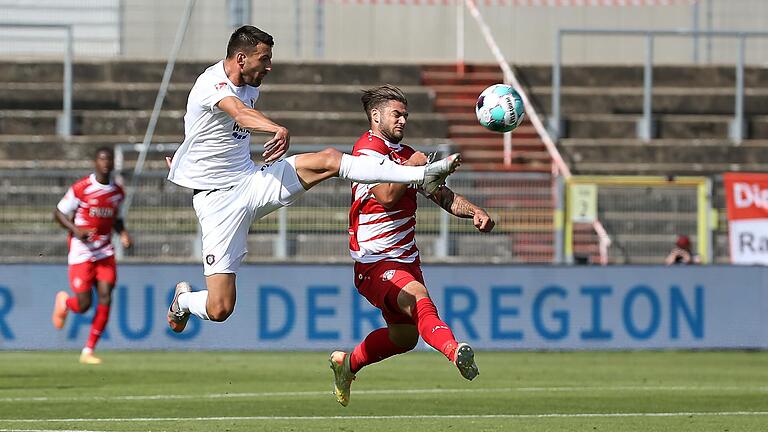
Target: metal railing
x=646, y=126
x=314, y=229
x=64, y=122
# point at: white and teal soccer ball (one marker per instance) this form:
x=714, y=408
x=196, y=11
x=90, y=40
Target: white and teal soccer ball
x=500, y=108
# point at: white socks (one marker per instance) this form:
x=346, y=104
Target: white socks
x=194, y=303
x=369, y=169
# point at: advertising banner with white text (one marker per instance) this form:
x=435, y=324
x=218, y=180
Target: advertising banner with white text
x=747, y=207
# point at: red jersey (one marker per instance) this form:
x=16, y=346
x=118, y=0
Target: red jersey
x=375, y=233
x=95, y=206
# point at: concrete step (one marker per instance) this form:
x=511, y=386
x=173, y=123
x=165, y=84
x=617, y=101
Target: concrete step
x=136, y=71
x=136, y=96
x=671, y=169
x=670, y=126
x=603, y=76
x=527, y=167
x=127, y=122
x=467, y=92
x=666, y=151
x=470, y=119
x=677, y=100
x=475, y=130
x=518, y=143
x=497, y=156
x=442, y=78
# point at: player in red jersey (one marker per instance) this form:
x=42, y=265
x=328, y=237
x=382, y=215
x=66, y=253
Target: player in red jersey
x=387, y=268
x=90, y=210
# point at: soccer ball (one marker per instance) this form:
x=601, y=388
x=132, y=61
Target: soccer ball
x=500, y=108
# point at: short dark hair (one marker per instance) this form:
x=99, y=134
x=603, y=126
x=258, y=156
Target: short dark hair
x=246, y=38
x=107, y=150
x=377, y=96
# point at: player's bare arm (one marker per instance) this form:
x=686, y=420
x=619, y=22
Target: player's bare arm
x=125, y=238
x=459, y=206
x=388, y=194
x=256, y=121
x=66, y=222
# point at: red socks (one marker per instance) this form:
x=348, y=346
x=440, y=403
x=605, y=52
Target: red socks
x=433, y=330
x=375, y=348
x=73, y=304
x=98, y=325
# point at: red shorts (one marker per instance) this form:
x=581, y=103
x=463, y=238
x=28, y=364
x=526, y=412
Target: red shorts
x=82, y=276
x=381, y=282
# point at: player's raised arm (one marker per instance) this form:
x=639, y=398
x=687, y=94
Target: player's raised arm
x=256, y=121
x=459, y=206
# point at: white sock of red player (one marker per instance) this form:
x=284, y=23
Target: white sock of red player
x=195, y=303
x=369, y=169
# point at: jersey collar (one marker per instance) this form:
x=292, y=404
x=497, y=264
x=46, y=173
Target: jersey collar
x=393, y=146
x=100, y=185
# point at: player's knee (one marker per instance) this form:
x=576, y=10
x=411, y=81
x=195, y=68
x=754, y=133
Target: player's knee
x=105, y=299
x=220, y=311
x=409, y=343
x=85, y=303
x=405, y=339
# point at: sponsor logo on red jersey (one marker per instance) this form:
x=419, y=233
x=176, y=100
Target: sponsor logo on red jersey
x=95, y=207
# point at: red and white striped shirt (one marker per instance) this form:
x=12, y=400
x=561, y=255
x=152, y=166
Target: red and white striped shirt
x=377, y=233
x=95, y=206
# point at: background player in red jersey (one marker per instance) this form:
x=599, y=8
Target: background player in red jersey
x=382, y=242
x=90, y=211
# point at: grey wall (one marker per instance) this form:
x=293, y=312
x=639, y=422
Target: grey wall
x=424, y=33
x=311, y=30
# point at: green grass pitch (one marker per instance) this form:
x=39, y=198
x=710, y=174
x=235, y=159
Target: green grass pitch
x=249, y=391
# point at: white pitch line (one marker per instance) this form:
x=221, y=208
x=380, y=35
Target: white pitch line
x=382, y=392
x=393, y=417
x=48, y=430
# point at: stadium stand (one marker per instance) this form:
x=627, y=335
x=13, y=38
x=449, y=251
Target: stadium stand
x=455, y=97
x=692, y=105
x=320, y=104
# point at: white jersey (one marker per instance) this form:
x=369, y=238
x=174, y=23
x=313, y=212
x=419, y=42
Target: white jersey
x=216, y=150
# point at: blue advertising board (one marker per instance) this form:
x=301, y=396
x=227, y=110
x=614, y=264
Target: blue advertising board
x=316, y=307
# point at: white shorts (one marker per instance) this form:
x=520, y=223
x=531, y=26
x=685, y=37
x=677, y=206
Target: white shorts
x=226, y=214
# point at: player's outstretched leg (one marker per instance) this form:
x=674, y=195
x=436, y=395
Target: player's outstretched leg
x=312, y=168
x=438, y=335
x=465, y=361
x=60, y=310
x=342, y=376
x=177, y=317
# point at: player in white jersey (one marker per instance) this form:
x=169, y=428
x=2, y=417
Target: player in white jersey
x=230, y=191
x=382, y=222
